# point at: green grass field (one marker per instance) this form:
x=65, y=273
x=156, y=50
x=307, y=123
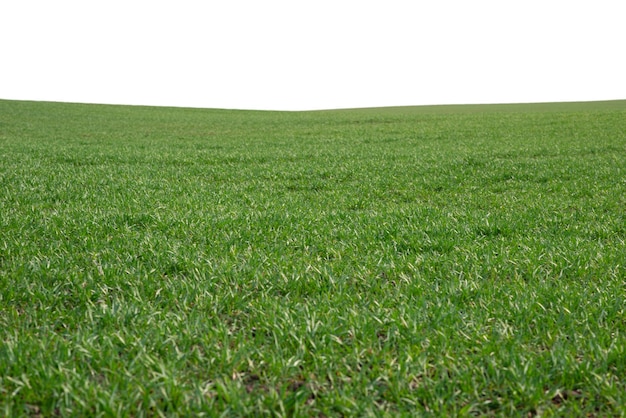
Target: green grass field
x=436, y=261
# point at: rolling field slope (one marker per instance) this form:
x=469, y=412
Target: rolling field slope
x=446, y=260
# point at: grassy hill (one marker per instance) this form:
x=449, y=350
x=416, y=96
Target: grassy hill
x=436, y=260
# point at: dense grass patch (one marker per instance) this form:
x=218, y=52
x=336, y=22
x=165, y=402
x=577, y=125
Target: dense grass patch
x=452, y=260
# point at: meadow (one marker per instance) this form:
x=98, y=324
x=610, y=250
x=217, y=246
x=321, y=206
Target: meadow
x=416, y=261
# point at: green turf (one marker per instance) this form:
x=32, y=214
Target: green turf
x=447, y=260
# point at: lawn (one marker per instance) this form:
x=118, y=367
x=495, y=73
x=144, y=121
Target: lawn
x=435, y=261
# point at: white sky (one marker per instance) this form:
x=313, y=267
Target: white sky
x=305, y=54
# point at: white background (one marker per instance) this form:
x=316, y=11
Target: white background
x=304, y=54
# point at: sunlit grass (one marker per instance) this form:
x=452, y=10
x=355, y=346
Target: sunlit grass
x=429, y=260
